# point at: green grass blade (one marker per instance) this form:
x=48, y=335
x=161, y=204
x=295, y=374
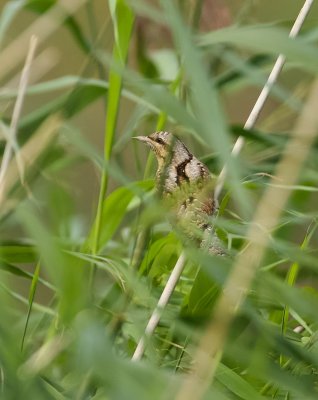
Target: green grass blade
x=236, y=384
x=293, y=273
x=23, y=300
x=31, y=298
x=267, y=39
x=14, y=270
x=123, y=19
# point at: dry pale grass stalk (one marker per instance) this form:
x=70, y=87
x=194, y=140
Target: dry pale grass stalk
x=258, y=106
x=29, y=154
x=43, y=357
x=11, y=139
x=264, y=222
x=42, y=27
x=41, y=65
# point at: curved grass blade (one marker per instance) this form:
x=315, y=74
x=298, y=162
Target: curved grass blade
x=12, y=269
x=33, y=287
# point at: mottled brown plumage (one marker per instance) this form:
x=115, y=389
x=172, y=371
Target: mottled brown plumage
x=187, y=187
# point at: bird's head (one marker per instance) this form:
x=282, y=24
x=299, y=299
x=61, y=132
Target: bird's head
x=161, y=144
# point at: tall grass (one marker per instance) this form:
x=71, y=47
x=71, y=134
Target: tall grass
x=77, y=291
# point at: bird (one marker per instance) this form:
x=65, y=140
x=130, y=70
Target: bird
x=186, y=185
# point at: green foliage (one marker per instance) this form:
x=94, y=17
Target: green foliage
x=78, y=281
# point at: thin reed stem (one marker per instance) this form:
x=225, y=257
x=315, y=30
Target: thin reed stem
x=258, y=106
x=11, y=140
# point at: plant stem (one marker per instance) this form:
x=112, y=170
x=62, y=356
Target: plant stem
x=258, y=106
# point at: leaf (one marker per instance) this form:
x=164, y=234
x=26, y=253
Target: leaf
x=236, y=384
x=39, y=6
x=114, y=209
x=123, y=19
x=64, y=82
x=233, y=75
x=16, y=252
x=266, y=39
x=161, y=253
x=203, y=295
x=12, y=269
x=33, y=287
x=270, y=139
x=292, y=275
x=22, y=299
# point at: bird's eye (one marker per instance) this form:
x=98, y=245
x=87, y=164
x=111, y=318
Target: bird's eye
x=159, y=140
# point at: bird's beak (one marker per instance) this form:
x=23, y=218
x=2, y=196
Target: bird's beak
x=142, y=138
x=147, y=140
